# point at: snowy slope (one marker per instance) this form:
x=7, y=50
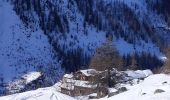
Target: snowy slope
x=40, y=94
x=89, y=42
x=26, y=47
x=31, y=76
x=146, y=89
x=141, y=47
x=78, y=36
x=88, y=38
x=22, y=50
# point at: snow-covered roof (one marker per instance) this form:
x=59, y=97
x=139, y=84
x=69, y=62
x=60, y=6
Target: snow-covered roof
x=31, y=76
x=84, y=84
x=89, y=72
x=70, y=83
x=68, y=76
x=163, y=58
x=68, y=86
x=138, y=74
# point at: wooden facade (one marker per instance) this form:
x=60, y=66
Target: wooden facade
x=79, y=91
x=93, y=84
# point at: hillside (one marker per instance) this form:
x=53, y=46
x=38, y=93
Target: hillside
x=53, y=37
x=22, y=50
x=76, y=28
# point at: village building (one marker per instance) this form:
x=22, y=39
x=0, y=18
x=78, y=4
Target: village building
x=82, y=82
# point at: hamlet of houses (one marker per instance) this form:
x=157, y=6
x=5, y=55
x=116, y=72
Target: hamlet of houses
x=84, y=82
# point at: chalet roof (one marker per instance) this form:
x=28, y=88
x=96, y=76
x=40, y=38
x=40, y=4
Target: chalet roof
x=89, y=72
x=68, y=86
x=71, y=83
x=31, y=76
x=84, y=84
x=68, y=76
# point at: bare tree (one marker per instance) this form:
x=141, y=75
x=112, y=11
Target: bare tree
x=166, y=68
x=106, y=58
x=133, y=65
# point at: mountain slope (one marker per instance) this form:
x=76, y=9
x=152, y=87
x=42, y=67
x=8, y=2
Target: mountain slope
x=76, y=28
x=57, y=36
x=22, y=50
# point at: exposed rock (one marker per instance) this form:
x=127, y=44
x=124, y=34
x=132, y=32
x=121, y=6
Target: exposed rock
x=143, y=93
x=165, y=82
x=113, y=93
x=122, y=89
x=158, y=91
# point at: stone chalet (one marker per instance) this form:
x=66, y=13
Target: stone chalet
x=81, y=83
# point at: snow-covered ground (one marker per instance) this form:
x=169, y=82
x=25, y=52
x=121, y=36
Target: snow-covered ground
x=19, y=84
x=144, y=90
x=31, y=76
x=138, y=74
x=39, y=94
